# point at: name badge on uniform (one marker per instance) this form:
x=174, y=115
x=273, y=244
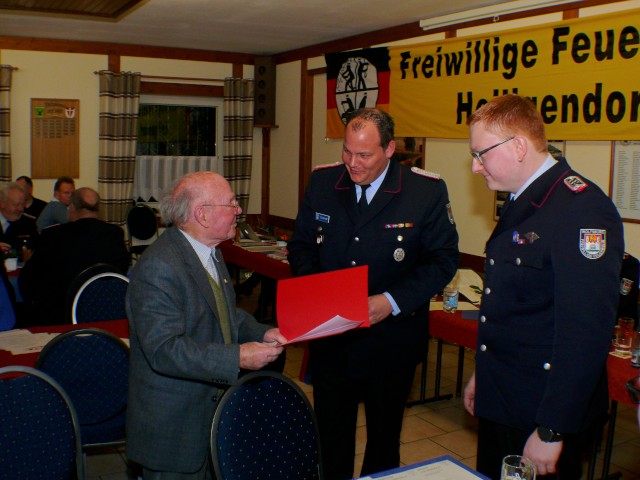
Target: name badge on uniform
x=322, y=217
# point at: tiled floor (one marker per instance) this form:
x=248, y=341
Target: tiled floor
x=430, y=429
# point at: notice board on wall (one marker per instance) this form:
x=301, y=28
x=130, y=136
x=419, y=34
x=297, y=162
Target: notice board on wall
x=624, y=188
x=55, y=138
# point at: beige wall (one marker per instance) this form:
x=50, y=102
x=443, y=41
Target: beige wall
x=54, y=75
x=71, y=76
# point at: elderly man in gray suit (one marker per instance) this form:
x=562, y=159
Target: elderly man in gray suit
x=188, y=340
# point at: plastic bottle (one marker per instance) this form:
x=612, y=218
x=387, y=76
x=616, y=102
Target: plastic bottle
x=635, y=349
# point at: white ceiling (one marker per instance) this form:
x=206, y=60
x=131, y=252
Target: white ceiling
x=263, y=27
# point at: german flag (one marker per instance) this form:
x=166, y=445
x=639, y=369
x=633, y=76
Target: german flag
x=355, y=79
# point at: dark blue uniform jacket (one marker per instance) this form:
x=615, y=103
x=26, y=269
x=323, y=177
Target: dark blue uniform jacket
x=549, y=305
x=408, y=240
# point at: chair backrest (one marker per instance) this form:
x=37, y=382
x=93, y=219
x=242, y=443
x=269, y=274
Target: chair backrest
x=40, y=436
x=92, y=365
x=100, y=298
x=265, y=427
x=142, y=222
x=80, y=280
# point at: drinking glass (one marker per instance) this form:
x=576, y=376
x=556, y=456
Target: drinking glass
x=624, y=337
x=517, y=467
x=450, y=300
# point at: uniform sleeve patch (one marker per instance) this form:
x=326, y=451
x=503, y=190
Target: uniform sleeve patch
x=575, y=184
x=328, y=165
x=593, y=243
x=424, y=173
x=450, y=213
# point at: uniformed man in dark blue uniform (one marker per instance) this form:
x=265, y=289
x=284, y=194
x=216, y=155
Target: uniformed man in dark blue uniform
x=403, y=229
x=550, y=298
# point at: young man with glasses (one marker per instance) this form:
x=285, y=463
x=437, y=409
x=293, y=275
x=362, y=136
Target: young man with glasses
x=552, y=279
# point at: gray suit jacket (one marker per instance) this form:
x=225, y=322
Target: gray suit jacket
x=178, y=359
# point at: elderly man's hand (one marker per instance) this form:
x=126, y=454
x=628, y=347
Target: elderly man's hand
x=254, y=355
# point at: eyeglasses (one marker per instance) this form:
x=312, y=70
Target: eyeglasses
x=478, y=155
x=633, y=387
x=234, y=204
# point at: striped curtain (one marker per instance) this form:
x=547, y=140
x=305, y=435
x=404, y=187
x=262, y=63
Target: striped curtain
x=5, y=127
x=238, y=138
x=119, y=100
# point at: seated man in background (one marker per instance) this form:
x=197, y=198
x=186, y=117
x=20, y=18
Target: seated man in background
x=15, y=227
x=32, y=206
x=56, y=210
x=66, y=250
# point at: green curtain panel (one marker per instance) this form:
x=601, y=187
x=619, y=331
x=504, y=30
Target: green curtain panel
x=119, y=101
x=238, y=137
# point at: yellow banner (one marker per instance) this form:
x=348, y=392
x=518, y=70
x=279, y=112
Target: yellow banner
x=583, y=75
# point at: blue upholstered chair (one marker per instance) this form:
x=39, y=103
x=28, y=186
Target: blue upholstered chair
x=265, y=427
x=100, y=298
x=92, y=365
x=39, y=430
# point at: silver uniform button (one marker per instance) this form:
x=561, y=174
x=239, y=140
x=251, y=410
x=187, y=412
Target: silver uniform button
x=483, y=319
x=518, y=261
x=353, y=263
x=547, y=366
x=483, y=348
x=400, y=238
x=491, y=261
x=357, y=239
x=487, y=291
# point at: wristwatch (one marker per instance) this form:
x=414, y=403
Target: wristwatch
x=549, y=436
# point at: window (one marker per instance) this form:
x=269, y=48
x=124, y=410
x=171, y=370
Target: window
x=176, y=130
x=176, y=135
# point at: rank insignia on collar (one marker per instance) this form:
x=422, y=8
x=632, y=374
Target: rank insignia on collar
x=575, y=184
x=328, y=165
x=593, y=242
x=424, y=173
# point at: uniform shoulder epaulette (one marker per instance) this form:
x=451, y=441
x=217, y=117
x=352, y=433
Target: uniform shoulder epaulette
x=575, y=183
x=328, y=165
x=424, y=173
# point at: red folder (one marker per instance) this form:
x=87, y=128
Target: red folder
x=324, y=304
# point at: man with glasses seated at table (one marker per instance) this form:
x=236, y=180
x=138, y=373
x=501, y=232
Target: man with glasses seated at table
x=15, y=228
x=551, y=291
x=188, y=340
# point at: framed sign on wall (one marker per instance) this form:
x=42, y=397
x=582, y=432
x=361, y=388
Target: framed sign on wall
x=55, y=138
x=624, y=188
